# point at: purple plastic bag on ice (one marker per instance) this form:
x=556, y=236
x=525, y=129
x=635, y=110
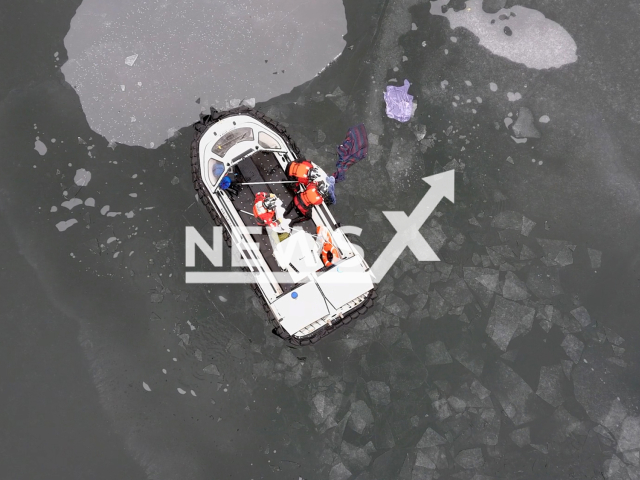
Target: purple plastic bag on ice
x=399, y=102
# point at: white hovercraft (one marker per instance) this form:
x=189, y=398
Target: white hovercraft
x=304, y=298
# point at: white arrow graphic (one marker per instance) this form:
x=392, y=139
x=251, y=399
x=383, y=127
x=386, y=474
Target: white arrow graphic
x=407, y=228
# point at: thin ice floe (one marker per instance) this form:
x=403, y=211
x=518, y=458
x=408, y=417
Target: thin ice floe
x=595, y=257
x=550, y=385
x=535, y=40
x=62, y=226
x=82, y=177
x=573, y=347
x=524, y=127
x=508, y=319
x=379, y=392
x=40, y=147
x=74, y=202
x=471, y=458
x=436, y=354
x=104, y=54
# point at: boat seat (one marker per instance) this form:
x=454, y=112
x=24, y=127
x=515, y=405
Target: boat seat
x=251, y=174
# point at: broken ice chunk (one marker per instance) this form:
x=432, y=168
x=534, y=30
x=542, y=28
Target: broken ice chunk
x=526, y=253
x=423, y=462
x=581, y=315
x=527, y=226
x=572, y=347
x=478, y=389
x=595, y=256
x=40, y=147
x=62, y=226
x=82, y=177
x=457, y=404
x=629, y=435
x=544, y=119
x=420, y=131
x=521, y=437
x=613, y=337
x=508, y=219
x=442, y=409
x=550, y=385
x=493, y=87
x=379, y=392
x=483, y=281
x=354, y=457
x=468, y=359
x=131, y=59
x=544, y=282
x=515, y=396
x=566, y=424
x=430, y=438
x=339, y=472
x=438, y=307
x=506, y=319
x=286, y=357
x=436, y=354
x=455, y=292
x=74, y=202
x=557, y=252
x=524, y=127
x=512, y=97
x=514, y=288
x=471, y=458
x=360, y=417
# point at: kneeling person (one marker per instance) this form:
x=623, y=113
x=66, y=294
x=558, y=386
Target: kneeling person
x=268, y=211
x=304, y=172
x=305, y=200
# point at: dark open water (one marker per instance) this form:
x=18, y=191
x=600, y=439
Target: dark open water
x=515, y=357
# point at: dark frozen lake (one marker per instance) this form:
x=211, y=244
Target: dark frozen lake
x=514, y=357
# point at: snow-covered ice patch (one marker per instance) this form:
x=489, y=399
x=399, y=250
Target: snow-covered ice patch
x=62, y=226
x=104, y=54
x=82, y=177
x=131, y=59
x=528, y=37
x=74, y=202
x=40, y=147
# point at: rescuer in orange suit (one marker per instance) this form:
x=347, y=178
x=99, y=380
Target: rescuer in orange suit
x=303, y=171
x=264, y=209
x=268, y=212
x=305, y=200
